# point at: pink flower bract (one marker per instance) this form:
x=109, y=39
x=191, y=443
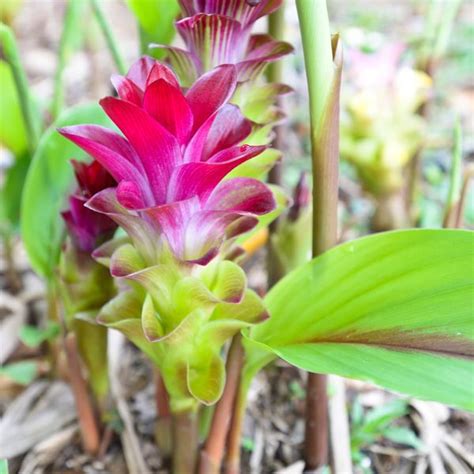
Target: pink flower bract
x=87, y=228
x=176, y=149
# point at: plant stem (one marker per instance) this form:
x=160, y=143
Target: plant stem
x=318, y=56
x=316, y=445
x=185, y=440
x=232, y=461
x=12, y=277
x=91, y=342
x=54, y=316
x=455, y=181
x=274, y=73
x=468, y=176
x=66, y=48
x=163, y=422
x=212, y=454
x=447, y=19
x=85, y=411
x=109, y=37
x=323, y=66
x=12, y=56
x=390, y=213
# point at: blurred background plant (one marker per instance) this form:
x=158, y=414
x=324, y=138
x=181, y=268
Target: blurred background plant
x=381, y=129
x=368, y=427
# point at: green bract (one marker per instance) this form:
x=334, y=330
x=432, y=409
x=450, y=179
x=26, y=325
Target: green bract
x=85, y=287
x=394, y=309
x=180, y=315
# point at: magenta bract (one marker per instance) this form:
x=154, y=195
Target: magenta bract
x=177, y=147
x=87, y=228
x=241, y=10
x=219, y=32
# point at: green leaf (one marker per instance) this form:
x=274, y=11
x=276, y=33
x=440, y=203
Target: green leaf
x=394, y=309
x=10, y=195
x=22, y=94
x=382, y=416
x=156, y=19
x=3, y=466
x=357, y=413
x=297, y=390
x=48, y=181
x=71, y=39
x=248, y=444
x=12, y=127
x=403, y=435
x=23, y=372
x=32, y=336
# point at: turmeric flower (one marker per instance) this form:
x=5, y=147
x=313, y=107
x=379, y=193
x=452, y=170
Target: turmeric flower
x=219, y=32
x=170, y=163
x=181, y=300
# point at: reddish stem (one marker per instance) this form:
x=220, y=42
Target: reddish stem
x=85, y=410
x=163, y=422
x=213, y=452
x=316, y=436
x=232, y=462
x=162, y=398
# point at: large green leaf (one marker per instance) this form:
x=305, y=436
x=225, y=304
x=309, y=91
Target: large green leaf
x=395, y=309
x=156, y=19
x=48, y=181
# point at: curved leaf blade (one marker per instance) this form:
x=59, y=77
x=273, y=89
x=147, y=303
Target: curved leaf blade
x=395, y=309
x=12, y=126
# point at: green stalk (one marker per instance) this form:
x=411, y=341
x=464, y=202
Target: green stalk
x=276, y=29
x=455, y=181
x=12, y=56
x=66, y=47
x=441, y=40
x=274, y=73
x=435, y=11
x=318, y=56
x=109, y=37
x=467, y=181
x=323, y=67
